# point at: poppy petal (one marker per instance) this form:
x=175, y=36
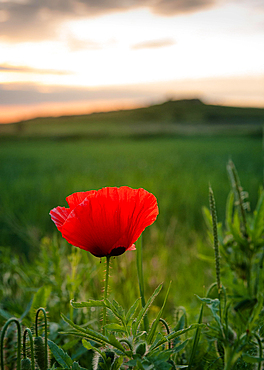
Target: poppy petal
x=59, y=215
x=76, y=198
x=74, y=232
x=132, y=248
x=139, y=210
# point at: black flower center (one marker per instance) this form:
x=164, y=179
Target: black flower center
x=117, y=251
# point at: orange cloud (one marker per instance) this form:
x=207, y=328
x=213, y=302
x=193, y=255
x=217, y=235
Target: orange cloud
x=24, y=69
x=153, y=44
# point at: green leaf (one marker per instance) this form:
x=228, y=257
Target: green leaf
x=115, y=327
x=132, y=310
x=76, y=366
x=78, y=334
x=256, y=312
x=181, y=346
x=87, y=332
x=214, y=305
x=258, y=224
x=117, y=363
x=39, y=300
x=204, y=257
x=173, y=335
x=229, y=209
x=60, y=356
x=94, y=335
x=144, y=309
x=181, y=322
x=27, y=310
x=90, y=303
x=251, y=359
x=160, y=359
x=236, y=231
x=196, y=337
x=118, y=308
x=158, y=338
x=207, y=217
x=245, y=304
x=115, y=343
x=112, y=307
x=5, y=314
x=89, y=347
x=156, y=321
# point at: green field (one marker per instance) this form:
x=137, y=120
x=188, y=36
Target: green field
x=37, y=175
x=174, y=150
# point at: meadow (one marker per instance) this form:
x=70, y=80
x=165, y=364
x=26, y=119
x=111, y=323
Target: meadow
x=175, y=150
x=39, y=268
x=37, y=175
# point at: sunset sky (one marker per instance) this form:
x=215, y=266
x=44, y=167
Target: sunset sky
x=69, y=56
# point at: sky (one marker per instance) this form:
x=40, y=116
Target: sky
x=78, y=56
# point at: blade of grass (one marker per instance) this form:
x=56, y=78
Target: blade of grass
x=141, y=280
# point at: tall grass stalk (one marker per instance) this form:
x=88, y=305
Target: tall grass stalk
x=141, y=280
x=216, y=245
x=240, y=196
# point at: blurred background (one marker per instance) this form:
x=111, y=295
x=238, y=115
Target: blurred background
x=80, y=56
x=158, y=94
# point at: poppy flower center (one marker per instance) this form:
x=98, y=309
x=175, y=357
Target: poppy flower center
x=117, y=251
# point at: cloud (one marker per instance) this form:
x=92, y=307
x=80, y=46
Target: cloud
x=23, y=69
x=32, y=20
x=28, y=93
x=172, y=7
x=153, y=44
x=75, y=44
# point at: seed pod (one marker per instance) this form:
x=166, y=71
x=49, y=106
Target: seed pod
x=40, y=353
x=26, y=364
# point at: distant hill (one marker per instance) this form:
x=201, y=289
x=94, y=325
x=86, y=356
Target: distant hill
x=181, y=111
x=189, y=116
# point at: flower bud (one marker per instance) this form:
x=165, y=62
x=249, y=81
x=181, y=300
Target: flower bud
x=26, y=364
x=40, y=353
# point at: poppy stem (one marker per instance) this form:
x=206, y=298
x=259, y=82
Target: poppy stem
x=106, y=289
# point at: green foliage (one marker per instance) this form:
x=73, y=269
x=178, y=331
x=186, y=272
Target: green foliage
x=142, y=349
x=40, y=299
x=39, y=174
x=60, y=356
x=236, y=321
x=227, y=334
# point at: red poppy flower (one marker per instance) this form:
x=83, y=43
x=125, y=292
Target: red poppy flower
x=106, y=222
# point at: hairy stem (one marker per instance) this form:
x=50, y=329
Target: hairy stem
x=41, y=309
x=32, y=355
x=106, y=289
x=18, y=342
